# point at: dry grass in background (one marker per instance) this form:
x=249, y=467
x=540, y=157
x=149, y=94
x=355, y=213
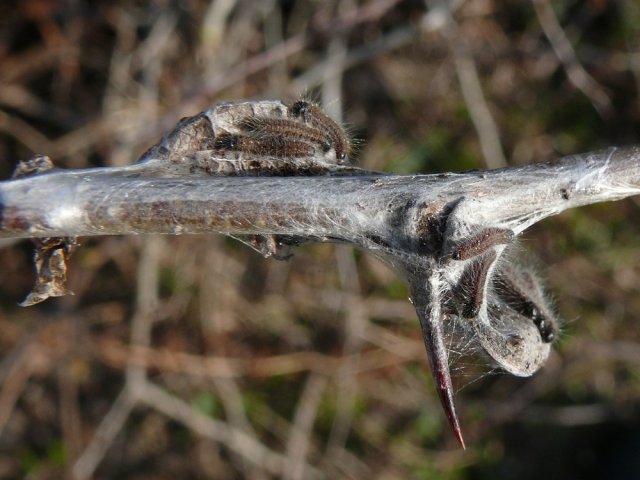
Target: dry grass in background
x=193, y=357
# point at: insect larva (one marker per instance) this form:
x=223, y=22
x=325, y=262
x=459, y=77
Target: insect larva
x=480, y=243
x=473, y=284
x=313, y=115
x=266, y=145
x=286, y=128
x=520, y=289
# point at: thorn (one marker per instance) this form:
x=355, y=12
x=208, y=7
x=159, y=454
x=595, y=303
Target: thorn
x=431, y=324
x=445, y=392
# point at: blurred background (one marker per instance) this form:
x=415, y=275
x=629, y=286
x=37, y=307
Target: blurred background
x=193, y=357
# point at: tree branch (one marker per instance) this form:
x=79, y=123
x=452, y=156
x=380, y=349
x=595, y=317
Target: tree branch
x=117, y=201
x=445, y=233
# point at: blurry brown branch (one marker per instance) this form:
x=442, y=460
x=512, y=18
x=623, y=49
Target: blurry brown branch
x=563, y=49
x=471, y=88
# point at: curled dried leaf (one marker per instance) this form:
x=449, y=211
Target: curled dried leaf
x=50, y=260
